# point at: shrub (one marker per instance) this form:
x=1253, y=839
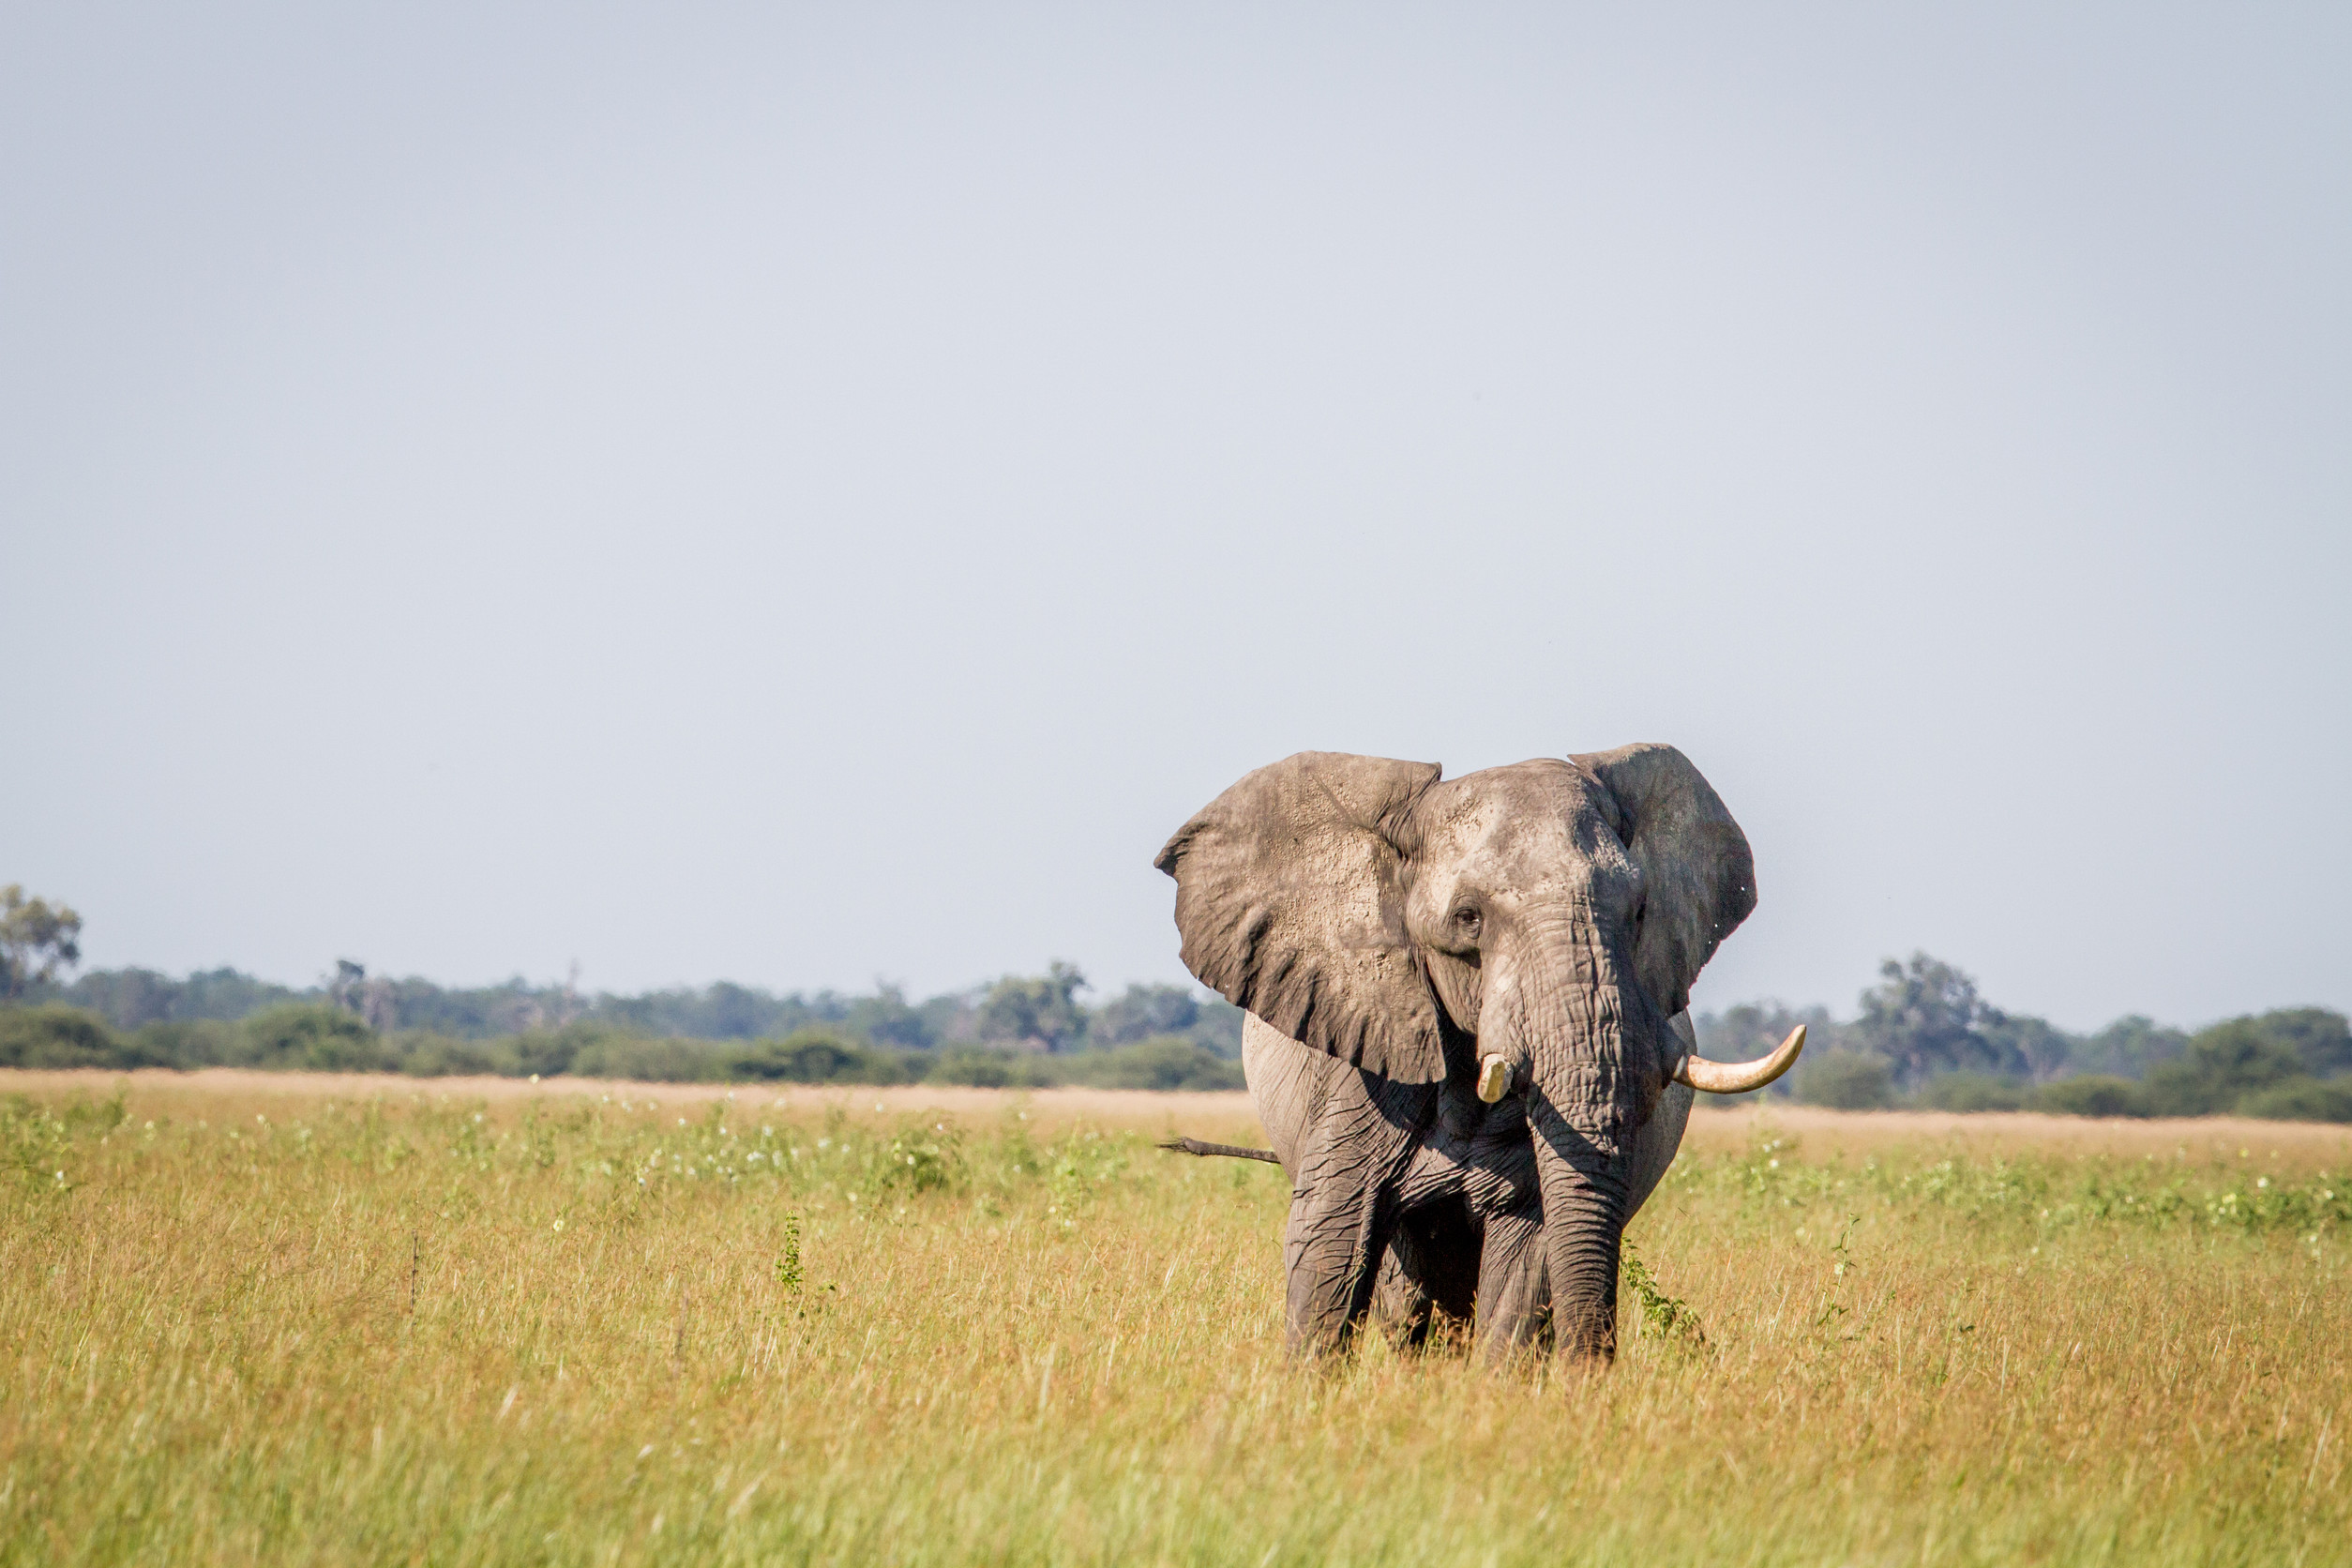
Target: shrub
x=2128, y=1048
x=2319, y=1037
x=811, y=1055
x=2300, y=1100
x=2225, y=1063
x=422, y=1055
x=1167, y=1062
x=979, y=1068
x=552, y=1051
x=186, y=1044
x=1972, y=1091
x=652, y=1061
x=2092, y=1094
x=55, y=1036
x=1847, y=1080
x=309, y=1036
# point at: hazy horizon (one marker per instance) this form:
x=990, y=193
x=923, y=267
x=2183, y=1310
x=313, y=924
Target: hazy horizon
x=1090, y=997
x=803, y=497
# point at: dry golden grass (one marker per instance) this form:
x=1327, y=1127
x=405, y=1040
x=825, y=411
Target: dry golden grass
x=1125, y=1107
x=324, y=1320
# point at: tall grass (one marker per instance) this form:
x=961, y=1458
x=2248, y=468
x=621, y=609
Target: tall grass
x=240, y=1328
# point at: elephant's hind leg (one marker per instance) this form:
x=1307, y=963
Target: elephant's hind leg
x=1428, y=1276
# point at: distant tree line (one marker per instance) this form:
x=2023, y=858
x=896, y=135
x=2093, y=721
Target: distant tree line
x=1020, y=1031
x=1035, y=1013
x=1924, y=1038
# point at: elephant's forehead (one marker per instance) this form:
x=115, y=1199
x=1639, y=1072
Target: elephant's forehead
x=1531, y=817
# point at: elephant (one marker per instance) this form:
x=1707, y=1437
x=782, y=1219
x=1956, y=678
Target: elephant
x=1468, y=1030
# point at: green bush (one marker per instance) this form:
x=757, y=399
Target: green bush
x=1972, y=1091
x=55, y=1036
x=2305, y=1099
x=811, y=1055
x=312, y=1037
x=2225, y=1065
x=187, y=1044
x=2316, y=1038
x=422, y=1055
x=1847, y=1080
x=652, y=1061
x=2092, y=1094
x=977, y=1067
x=1167, y=1062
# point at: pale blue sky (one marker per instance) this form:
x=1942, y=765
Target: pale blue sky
x=795, y=494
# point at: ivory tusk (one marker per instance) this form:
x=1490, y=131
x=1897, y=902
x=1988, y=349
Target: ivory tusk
x=1737, y=1077
x=1494, y=1078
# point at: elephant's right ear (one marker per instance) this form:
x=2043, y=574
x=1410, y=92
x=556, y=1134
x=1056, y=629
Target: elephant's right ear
x=1288, y=896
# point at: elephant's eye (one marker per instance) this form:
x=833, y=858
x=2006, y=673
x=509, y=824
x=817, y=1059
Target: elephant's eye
x=1466, y=921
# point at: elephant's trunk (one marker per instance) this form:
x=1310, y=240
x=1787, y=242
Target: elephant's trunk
x=1595, y=1064
x=1584, y=1219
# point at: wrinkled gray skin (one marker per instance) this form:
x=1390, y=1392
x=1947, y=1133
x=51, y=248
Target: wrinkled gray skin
x=1386, y=930
x=1465, y=1206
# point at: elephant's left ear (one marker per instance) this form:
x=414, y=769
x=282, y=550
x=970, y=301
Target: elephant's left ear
x=1698, y=876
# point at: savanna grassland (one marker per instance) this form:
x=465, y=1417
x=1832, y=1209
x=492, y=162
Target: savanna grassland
x=346, y=1320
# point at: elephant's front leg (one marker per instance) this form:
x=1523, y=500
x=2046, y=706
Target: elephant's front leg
x=1514, y=1289
x=1344, y=1207
x=1501, y=1189
x=1401, y=1302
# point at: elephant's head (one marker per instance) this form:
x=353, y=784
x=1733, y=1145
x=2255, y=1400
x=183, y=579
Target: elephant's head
x=1531, y=928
